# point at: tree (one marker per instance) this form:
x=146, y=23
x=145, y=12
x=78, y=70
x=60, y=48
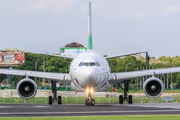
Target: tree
x=61, y=65
x=57, y=65
x=2, y=77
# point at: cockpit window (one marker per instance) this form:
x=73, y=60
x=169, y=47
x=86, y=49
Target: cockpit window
x=89, y=64
x=92, y=64
x=86, y=64
x=80, y=64
x=97, y=64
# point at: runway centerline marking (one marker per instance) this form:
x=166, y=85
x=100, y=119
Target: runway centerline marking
x=6, y=106
x=89, y=112
x=40, y=106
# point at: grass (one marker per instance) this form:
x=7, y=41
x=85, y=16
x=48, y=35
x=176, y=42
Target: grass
x=81, y=100
x=171, y=91
x=165, y=91
x=138, y=91
x=122, y=117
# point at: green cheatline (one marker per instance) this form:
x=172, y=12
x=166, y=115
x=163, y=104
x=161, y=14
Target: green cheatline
x=89, y=43
x=113, y=117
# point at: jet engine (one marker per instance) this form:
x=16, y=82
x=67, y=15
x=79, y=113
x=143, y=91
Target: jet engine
x=153, y=87
x=26, y=88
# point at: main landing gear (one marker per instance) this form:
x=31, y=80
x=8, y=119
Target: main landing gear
x=54, y=91
x=126, y=97
x=89, y=101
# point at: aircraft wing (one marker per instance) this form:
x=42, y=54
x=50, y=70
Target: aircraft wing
x=59, y=77
x=119, y=77
x=124, y=55
x=69, y=57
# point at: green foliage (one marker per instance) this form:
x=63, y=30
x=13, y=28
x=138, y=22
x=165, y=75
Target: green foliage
x=52, y=64
x=135, y=63
x=57, y=65
x=40, y=62
x=2, y=77
x=119, y=64
x=61, y=65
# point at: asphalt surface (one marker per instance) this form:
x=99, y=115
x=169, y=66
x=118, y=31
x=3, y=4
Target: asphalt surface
x=26, y=110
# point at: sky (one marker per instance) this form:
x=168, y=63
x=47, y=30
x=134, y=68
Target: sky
x=118, y=26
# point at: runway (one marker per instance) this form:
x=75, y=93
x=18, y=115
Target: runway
x=26, y=110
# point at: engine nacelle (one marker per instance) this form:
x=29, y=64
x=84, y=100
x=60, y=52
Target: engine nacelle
x=153, y=87
x=26, y=88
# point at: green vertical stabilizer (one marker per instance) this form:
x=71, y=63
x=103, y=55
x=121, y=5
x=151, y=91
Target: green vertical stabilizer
x=89, y=43
x=89, y=29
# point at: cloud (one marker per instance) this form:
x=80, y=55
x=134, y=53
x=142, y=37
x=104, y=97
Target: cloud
x=171, y=10
x=54, y=5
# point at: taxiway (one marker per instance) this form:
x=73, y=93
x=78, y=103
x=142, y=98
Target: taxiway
x=24, y=110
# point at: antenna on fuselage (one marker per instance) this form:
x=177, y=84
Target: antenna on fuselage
x=89, y=29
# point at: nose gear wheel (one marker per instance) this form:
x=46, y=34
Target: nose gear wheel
x=89, y=101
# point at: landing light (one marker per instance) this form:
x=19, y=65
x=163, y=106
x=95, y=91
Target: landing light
x=91, y=90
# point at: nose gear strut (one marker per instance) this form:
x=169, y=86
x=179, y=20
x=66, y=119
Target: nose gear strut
x=90, y=101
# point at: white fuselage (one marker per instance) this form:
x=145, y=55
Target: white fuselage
x=89, y=70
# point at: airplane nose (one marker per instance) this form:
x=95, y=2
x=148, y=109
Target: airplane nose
x=90, y=78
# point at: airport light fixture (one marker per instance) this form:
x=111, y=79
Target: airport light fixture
x=35, y=68
x=126, y=66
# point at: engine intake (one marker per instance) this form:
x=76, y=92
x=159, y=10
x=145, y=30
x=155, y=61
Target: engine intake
x=26, y=88
x=153, y=87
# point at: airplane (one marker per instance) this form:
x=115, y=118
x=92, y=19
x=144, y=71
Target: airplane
x=90, y=72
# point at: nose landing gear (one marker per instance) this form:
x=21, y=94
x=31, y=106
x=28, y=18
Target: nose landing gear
x=89, y=101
